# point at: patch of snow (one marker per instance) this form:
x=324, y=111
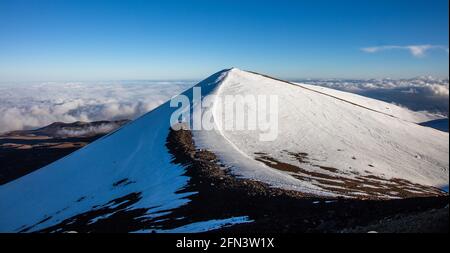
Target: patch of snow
x=202, y=226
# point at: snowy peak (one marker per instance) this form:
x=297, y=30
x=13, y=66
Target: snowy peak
x=357, y=100
x=327, y=143
x=316, y=141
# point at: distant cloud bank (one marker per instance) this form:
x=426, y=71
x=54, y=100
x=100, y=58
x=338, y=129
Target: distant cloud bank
x=28, y=106
x=415, y=50
x=418, y=94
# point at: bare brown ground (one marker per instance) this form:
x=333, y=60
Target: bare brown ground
x=358, y=186
x=222, y=195
x=20, y=156
x=25, y=137
x=421, y=222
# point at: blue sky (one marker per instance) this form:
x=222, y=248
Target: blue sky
x=107, y=40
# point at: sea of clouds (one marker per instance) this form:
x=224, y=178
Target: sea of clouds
x=418, y=94
x=33, y=105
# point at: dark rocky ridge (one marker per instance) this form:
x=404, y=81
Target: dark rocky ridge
x=220, y=195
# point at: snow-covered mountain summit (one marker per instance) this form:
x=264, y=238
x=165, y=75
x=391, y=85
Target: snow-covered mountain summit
x=328, y=144
x=332, y=142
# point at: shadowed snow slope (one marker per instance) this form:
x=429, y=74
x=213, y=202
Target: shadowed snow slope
x=130, y=169
x=329, y=144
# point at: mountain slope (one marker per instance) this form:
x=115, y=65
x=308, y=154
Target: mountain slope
x=377, y=105
x=327, y=146
x=129, y=169
x=330, y=143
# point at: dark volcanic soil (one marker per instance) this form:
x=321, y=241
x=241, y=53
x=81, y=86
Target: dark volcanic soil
x=28, y=155
x=367, y=187
x=22, y=152
x=221, y=195
x=431, y=221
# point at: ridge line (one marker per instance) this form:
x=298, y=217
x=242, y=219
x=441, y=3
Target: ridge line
x=325, y=94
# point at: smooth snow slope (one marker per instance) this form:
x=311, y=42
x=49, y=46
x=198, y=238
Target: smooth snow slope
x=132, y=160
x=343, y=136
x=387, y=108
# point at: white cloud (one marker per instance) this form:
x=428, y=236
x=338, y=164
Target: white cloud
x=426, y=84
x=91, y=130
x=420, y=94
x=28, y=106
x=415, y=50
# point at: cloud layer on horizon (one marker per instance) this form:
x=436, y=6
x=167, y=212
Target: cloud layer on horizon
x=29, y=106
x=415, y=50
x=418, y=94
